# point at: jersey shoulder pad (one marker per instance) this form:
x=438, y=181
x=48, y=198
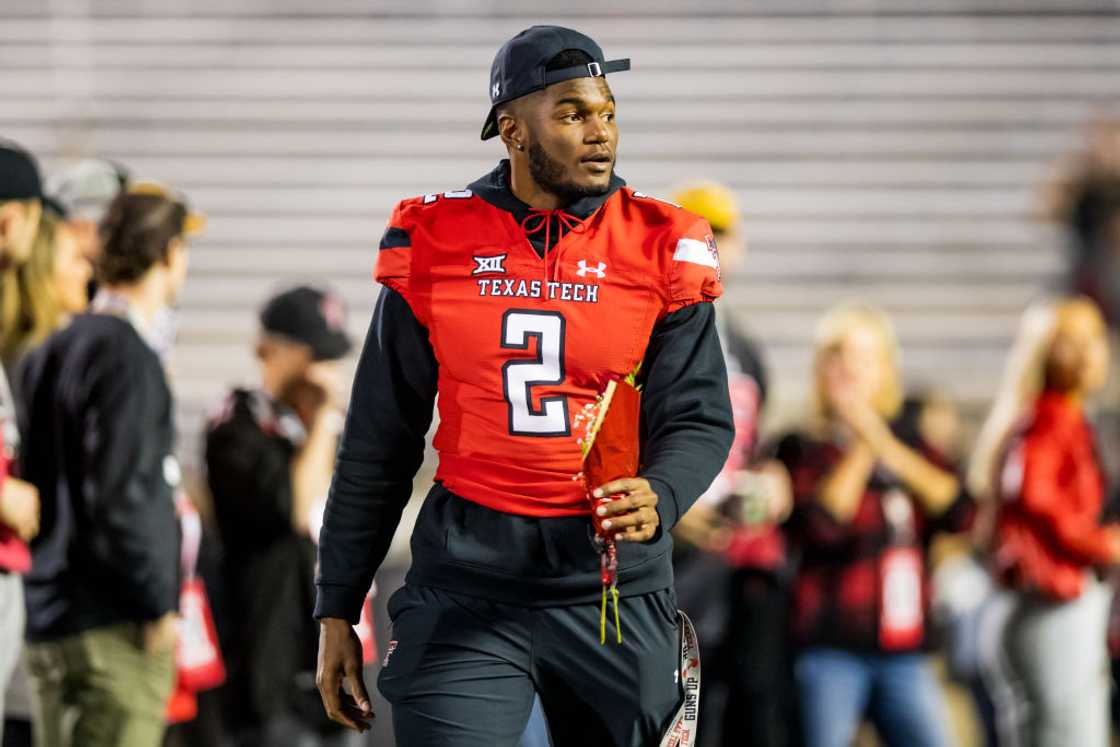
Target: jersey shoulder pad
x=691, y=256
x=394, y=252
x=410, y=221
x=652, y=211
x=424, y=209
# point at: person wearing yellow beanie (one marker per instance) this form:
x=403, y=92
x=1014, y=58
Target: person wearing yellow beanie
x=731, y=539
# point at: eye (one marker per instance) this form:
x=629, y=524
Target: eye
x=609, y=116
x=571, y=117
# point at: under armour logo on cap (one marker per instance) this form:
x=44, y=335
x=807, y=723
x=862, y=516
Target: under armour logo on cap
x=495, y=90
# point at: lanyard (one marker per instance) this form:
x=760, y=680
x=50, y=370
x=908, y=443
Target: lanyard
x=682, y=731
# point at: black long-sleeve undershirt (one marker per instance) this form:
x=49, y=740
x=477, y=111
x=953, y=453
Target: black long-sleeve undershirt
x=687, y=430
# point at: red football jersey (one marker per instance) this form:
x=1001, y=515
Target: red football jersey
x=525, y=343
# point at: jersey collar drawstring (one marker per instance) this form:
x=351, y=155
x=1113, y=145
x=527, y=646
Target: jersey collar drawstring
x=543, y=219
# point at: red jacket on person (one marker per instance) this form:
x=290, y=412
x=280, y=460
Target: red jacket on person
x=14, y=555
x=1049, y=529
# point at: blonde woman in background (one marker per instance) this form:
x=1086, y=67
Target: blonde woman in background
x=1048, y=537
x=41, y=295
x=37, y=298
x=970, y=603
x=866, y=504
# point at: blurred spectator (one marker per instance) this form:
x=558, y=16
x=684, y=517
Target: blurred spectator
x=978, y=604
x=1018, y=389
x=20, y=210
x=103, y=590
x=50, y=286
x=84, y=191
x=1049, y=538
x=1084, y=196
x=866, y=505
x=269, y=457
x=730, y=557
x=164, y=326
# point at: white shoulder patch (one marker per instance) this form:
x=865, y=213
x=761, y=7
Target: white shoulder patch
x=697, y=252
x=461, y=194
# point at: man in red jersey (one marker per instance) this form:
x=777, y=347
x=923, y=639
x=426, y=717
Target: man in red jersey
x=516, y=301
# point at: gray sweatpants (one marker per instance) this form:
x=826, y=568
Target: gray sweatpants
x=11, y=632
x=1058, y=658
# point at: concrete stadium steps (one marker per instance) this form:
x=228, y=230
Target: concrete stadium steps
x=691, y=56
x=458, y=85
x=886, y=152
x=330, y=22
x=202, y=111
x=807, y=142
x=410, y=176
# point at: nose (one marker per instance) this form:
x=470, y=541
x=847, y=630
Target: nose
x=597, y=131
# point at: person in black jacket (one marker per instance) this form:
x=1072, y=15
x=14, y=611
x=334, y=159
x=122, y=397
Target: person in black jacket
x=269, y=455
x=104, y=588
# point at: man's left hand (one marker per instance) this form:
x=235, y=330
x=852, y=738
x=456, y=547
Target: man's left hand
x=632, y=516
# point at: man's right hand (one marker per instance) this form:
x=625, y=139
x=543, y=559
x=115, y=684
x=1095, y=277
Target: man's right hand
x=19, y=508
x=340, y=660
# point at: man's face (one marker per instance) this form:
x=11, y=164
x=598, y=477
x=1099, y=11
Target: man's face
x=178, y=259
x=572, y=137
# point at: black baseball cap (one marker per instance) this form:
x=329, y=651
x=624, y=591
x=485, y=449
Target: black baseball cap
x=519, y=66
x=309, y=316
x=19, y=175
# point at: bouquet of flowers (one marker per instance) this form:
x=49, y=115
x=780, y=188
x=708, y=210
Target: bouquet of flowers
x=610, y=445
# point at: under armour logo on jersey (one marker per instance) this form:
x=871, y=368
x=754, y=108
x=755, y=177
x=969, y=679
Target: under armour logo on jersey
x=600, y=270
x=489, y=264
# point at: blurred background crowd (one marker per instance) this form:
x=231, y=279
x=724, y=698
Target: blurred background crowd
x=917, y=205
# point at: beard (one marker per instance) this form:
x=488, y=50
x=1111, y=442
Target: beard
x=552, y=177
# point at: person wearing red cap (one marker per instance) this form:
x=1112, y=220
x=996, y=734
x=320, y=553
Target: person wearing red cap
x=518, y=300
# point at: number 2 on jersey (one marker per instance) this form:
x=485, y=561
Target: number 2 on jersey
x=519, y=327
